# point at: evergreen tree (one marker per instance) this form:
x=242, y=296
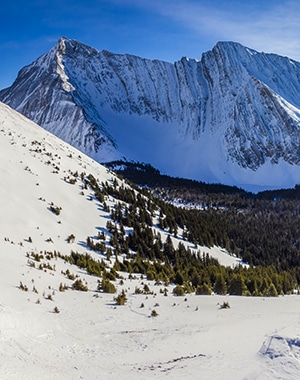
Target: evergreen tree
x=220, y=285
x=237, y=285
x=203, y=290
x=106, y=286
x=271, y=291
x=121, y=299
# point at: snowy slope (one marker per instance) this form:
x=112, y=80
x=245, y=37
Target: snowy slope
x=91, y=338
x=231, y=117
x=38, y=170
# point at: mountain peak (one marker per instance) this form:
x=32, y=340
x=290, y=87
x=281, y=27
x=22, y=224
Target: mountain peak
x=232, y=117
x=60, y=70
x=232, y=50
x=71, y=46
x=63, y=38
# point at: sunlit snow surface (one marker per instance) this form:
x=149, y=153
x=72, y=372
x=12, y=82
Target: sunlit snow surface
x=91, y=338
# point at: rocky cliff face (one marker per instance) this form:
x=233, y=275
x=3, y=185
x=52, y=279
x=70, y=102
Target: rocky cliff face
x=232, y=117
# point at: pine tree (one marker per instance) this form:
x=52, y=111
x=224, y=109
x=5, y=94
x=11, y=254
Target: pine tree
x=178, y=291
x=271, y=291
x=237, y=285
x=203, y=290
x=121, y=299
x=220, y=285
x=106, y=286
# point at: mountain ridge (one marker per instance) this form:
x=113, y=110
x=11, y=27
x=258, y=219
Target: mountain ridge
x=230, y=117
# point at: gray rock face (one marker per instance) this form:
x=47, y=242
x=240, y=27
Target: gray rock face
x=231, y=117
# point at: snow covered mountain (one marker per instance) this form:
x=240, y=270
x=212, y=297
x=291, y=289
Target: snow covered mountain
x=232, y=117
x=49, y=331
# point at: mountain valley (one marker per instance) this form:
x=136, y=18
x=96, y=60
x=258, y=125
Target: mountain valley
x=124, y=271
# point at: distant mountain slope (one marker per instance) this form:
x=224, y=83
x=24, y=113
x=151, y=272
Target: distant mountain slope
x=232, y=117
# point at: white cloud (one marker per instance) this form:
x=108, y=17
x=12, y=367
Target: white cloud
x=269, y=26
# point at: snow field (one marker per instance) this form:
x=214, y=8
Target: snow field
x=90, y=337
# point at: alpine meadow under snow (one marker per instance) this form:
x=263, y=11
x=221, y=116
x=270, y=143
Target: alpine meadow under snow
x=50, y=330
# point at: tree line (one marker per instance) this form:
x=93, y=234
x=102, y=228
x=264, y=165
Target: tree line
x=262, y=232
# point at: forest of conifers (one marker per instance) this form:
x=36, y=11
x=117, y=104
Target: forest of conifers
x=261, y=229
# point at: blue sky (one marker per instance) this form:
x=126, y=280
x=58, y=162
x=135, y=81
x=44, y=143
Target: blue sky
x=155, y=29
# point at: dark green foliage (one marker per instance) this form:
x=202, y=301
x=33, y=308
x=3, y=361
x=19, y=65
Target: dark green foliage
x=94, y=185
x=225, y=305
x=146, y=289
x=110, y=275
x=106, y=286
x=70, y=275
x=280, y=194
x=79, y=285
x=36, y=256
x=145, y=174
x=271, y=291
x=237, y=285
x=138, y=290
x=201, y=271
x=203, y=290
x=121, y=299
x=92, y=266
x=260, y=229
x=220, y=284
x=178, y=291
x=179, y=279
x=98, y=246
x=55, y=209
x=154, y=313
x=71, y=238
x=62, y=287
x=23, y=287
